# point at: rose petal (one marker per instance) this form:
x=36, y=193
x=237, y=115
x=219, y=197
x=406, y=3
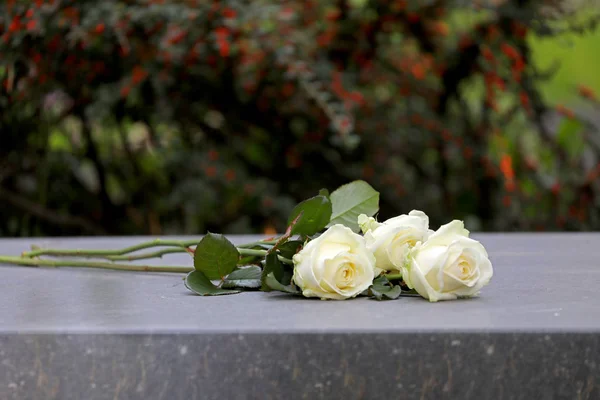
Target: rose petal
x=446, y=234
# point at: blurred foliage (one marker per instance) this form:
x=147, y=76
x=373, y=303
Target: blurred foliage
x=579, y=58
x=156, y=116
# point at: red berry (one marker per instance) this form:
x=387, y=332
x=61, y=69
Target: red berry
x=224, y=48
x=487, y=54
x=413, y=18
x=586, y=92
x=418, y=71
x=222, y=32
x=31, y=25
x=509, y=51
x=125, y=91
x=210, y=171
x=138, y=74
x=524, y=99
x=15, y=25
x=230, y=175
x=229, y=13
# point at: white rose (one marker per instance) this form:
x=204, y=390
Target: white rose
x=336, y=265
x=391, y=241
x=448, y=265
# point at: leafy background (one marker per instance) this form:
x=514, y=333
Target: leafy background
x=159, y=117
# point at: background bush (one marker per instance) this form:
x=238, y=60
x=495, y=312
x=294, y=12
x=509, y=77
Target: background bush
x=136, y=117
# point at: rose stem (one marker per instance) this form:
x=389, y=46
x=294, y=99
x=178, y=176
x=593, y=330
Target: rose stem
x=108, y=254
x=143, y=256
x=103, y=253
x=91, y=264
x=252, y=252
x=257, y=243
x=120, y=255
x=391, y=277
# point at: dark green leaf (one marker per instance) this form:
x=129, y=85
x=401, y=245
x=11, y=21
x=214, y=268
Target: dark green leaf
x=410, y=293
x=288, y=249
x=215, y=256
x=324, y=192
x=198, y=283
x=314, y=214
x=247, y=277
x=274, y=266
x=274, y=284
x=382, y=289
x=351, y=200
x=288, y=272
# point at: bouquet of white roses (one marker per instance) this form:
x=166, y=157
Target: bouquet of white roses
x=322, y=254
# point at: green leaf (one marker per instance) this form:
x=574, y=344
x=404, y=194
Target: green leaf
x=324, y=192
x=288, y=249
x=274, y=266
x=288, y=272
x=314, y=214
x=215, y=256
x=57, y=141
x=382, y=289
x=278, y=269
x=351, y=200
x=198, y=283
x=247, y=277
x=274, y=284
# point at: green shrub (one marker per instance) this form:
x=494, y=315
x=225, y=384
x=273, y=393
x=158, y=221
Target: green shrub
x=127, y=117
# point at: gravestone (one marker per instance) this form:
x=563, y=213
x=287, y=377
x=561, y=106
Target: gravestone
x=72, y=333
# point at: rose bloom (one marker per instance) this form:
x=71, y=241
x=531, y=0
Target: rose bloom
x=336, y=265
x=448, y=265
x=391, y=241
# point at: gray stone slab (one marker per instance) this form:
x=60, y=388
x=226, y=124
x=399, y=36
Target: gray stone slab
x=72, y=334
x=300, y=366
x=542, y=283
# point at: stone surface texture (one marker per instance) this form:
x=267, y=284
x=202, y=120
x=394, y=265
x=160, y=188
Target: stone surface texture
x=534, y=333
